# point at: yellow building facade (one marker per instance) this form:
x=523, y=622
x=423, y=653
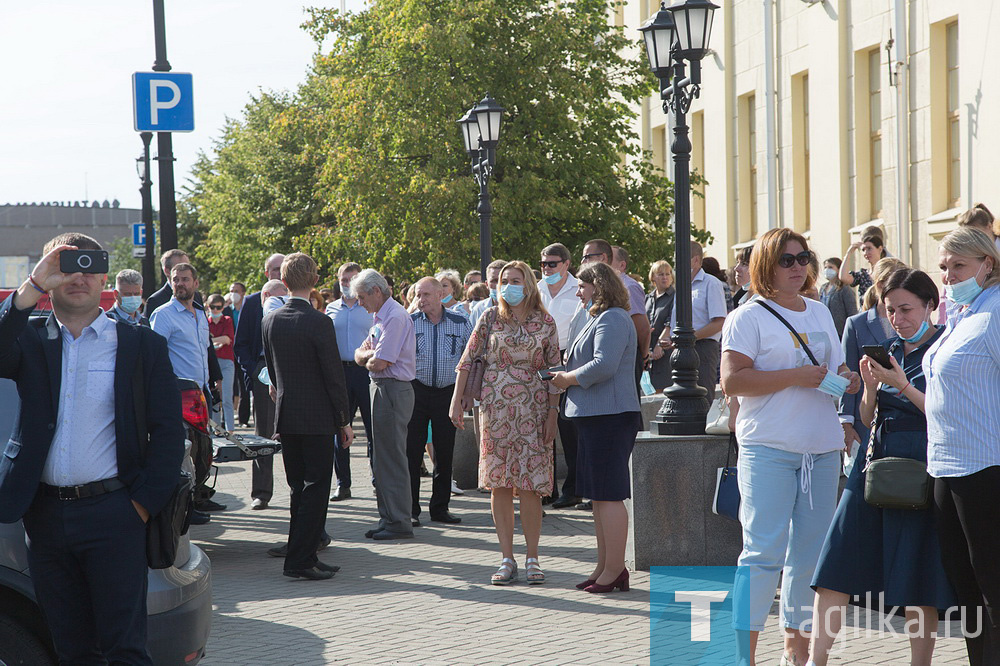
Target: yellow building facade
x=850, y=100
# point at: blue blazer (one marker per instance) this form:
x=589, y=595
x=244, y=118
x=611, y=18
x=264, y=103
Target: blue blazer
x=31, y=355
x=603, y=357
x=861, y=329
x=249, y=342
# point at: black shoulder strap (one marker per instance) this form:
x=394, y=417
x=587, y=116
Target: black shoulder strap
x=139, y=401
x=789, y=327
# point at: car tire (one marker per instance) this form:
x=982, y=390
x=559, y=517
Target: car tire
x=20, y=647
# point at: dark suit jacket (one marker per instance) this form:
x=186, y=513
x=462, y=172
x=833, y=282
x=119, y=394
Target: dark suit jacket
x=861, y=329
x=300, y=347
x=31, y=355
x=248, y=344
x=164, y=294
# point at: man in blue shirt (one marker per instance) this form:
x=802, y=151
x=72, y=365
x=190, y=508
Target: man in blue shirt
x=352, y=323
x=441, y=339
x=492, y=279
x=184, y=326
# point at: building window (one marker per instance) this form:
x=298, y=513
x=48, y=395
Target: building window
x=751, y=117
x=800, y=152
x=954, y=135
x=746, y=164
x=698, y=166
x=659, y=148
x=875, y=133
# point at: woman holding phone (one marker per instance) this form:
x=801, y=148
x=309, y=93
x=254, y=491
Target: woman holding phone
x=893, y=555
x=602, y=402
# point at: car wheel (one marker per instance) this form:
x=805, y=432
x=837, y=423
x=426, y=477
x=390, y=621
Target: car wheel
x=20, y=647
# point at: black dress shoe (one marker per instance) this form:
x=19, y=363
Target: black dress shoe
x=278, y=551
x=415, y=522
x=200, y=517
x=446, y=517
x=370, y=533
x=340, y=494
x=209, y=505
x=332, y=568
x=548, y=499
x=309, y=574
x=324, y=542
x=386, y=535
x=566, y=501
x=585, y=506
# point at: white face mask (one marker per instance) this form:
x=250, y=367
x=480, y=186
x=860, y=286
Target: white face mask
x=830, y=273
x=235, y=297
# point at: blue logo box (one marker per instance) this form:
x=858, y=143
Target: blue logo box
x=691, y=616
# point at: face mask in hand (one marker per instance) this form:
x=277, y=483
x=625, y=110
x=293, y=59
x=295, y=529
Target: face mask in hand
x=131, y=304
x=512, y=293
x=834, y=384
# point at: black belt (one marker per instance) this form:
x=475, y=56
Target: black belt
x=92, y=489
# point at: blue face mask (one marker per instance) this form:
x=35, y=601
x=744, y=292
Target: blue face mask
x=493, y=295
x=920, y=333
x=965, y=291
x=834, y=384
x=552, y=279
x=512, y=293
x=131, y=304
x=446, y=300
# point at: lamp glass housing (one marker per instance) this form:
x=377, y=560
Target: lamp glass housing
x=658, y=33
x=693, y=25
x=140, y=167
x=488, y=115
x=470, y=132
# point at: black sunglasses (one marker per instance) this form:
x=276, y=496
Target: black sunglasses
x=587, y=257
x=786, y=260
x=216, y=307
x=549, y=264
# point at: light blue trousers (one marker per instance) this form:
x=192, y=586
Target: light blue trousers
x=787, y=504
x=228, y=373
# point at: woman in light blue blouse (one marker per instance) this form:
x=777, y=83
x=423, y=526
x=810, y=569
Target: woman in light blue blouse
x=963, y=435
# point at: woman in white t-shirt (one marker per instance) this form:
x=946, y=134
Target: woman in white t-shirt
x=790, y=438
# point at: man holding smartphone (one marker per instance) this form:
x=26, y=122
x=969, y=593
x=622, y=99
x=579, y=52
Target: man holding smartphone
x=77, y=476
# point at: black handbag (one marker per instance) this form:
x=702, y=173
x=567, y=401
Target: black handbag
x=726, y=502
x=163, y=530
x=895, y=483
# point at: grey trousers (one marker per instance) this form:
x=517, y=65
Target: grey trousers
x=392, y=406
x=709, y=359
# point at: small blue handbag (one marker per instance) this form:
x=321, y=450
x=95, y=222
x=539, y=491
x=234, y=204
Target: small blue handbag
x=726, y=502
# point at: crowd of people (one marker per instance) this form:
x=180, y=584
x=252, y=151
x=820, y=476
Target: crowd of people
x=536, y=354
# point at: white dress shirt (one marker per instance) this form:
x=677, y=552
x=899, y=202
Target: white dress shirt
x=708, y=302
x=83, y=446
x=562, y=306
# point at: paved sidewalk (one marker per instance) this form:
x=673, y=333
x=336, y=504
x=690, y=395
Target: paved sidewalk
x=428, y=600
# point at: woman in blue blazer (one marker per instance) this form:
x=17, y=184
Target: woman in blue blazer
x=602, y=401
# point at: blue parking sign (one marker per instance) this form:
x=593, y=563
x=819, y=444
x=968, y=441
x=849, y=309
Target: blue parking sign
x=139, y=234
x=163, y=102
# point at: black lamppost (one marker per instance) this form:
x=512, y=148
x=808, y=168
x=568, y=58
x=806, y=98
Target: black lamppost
x=480, y=134
x=164, y=143
x=149, y=281
x=674, y=35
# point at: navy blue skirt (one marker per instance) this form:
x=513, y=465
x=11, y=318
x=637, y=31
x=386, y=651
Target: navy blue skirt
x=604, y=444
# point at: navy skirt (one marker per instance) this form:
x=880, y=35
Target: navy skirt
x=604, y=444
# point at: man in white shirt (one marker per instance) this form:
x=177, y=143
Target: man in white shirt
x=558, y=291
x=708, y=313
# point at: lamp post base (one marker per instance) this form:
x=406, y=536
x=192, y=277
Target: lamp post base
x=681, y=415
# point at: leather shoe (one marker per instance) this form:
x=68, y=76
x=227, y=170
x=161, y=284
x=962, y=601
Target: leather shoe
x=332, y=568
x=313, y=573
x=415, y=522
x=258, y=504
x=566, y=501
x=548, y=499
x=447, y=517
x=386, y=535
x=324, y=542
x=370, y=533
x=209, y=505
x=585, y=506
x=340, y=494
x=278, y=551
x=200, y=517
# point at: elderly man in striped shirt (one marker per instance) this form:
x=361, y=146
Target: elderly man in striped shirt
x=441, y=339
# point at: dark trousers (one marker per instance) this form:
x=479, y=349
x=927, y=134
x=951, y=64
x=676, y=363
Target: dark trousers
x=430, y=405
x=709, y=359
x=262, y=477
x=88, y=566
x=968, y=515
x=568, y=437
x=245, y=389
x=309, y=471
x=359, y=396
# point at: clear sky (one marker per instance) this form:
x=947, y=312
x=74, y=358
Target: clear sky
x=65, y=85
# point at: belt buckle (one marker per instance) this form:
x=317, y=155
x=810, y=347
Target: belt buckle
x=69, y=492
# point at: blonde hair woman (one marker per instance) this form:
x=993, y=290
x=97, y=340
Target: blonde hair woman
x=659, y=303
x=451, y=281
x=518, y=412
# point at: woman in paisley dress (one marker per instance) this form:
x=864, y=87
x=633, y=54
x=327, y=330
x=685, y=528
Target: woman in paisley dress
x=518, y=412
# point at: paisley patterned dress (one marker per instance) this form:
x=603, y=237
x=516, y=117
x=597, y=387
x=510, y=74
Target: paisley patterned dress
x=515, y=401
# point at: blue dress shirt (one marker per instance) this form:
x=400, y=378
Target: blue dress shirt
x=187, y=339
x=352, y=324
x=440, y=346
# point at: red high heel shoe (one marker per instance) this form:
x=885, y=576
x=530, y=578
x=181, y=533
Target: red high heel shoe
x=620, y=582
x=585, y=584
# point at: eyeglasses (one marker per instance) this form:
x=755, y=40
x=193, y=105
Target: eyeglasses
x=549, y=264
x=216, y=307
x=786, y=260
x=587, y=257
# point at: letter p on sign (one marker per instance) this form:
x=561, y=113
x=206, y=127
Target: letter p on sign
x=163, y=102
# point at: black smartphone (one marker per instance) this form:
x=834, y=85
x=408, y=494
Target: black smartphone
x=83, y=261
x=879, y=353
x=546, y=373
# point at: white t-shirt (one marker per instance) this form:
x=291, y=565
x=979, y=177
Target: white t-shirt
x=796, y=419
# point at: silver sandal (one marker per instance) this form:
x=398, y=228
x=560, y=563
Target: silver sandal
x=506, y=574
x=533, y=573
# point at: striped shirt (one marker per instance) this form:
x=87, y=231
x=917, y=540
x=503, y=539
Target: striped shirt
x=440, y=346
x=963, y=375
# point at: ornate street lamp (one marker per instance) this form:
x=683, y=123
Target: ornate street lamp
x=149, y=281
x=674, y=35
x=480, y=134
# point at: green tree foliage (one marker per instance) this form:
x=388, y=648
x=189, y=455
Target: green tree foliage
x=365, y=161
